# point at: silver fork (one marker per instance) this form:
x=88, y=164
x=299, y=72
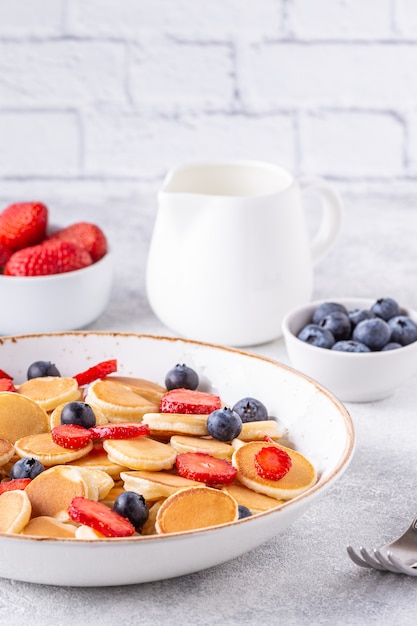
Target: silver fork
x=399, y=556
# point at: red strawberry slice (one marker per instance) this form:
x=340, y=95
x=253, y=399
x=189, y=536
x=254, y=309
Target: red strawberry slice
x=23, y=224
x=4, y=374
x=50, y=257
x=189, y=401
x=126, y=430
x=205, y=468
x=100, y=517
x=272, y=463
x=16, y=483
x=6, y=384
x=71, y=436
x=87, y=235
x=100, y=370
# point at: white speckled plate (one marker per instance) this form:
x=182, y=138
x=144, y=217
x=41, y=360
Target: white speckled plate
x=314, y=421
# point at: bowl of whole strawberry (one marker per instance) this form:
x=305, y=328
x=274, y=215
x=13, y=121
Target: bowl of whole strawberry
x=51, y=279
x=361, y=349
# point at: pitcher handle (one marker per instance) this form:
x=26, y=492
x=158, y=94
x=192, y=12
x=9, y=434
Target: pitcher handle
x=331, y=216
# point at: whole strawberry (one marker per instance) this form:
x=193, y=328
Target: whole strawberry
x=85, y=234
x=23, y=224
x=49, y=257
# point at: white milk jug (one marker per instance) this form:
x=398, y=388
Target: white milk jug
x=230, y=252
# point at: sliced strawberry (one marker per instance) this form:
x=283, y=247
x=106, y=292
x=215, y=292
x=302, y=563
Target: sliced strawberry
x=126, y=430
x=50, y=257
x=16, y=483
x=71, y=436
x=6, y=384
x=205, y=468
x=87, y=235
x=272, y=463
x=4, y=374
x=100, y=370
x=189, y=401
x=23, y=224
x=100, y=517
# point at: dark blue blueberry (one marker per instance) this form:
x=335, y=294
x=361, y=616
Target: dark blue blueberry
x=316, y=336
x=326, y=308
x=338, y=323
x=181, y=377
x=392, y=345
x=133, y=506
x=374, y=333
x=251, y=410
x=386, y=308
x=26, y=468
x=79, y=413
x=224, y=424
x=358, y=315
x=348, y=345
x=403, y=329
x=38, y=369
x=244, y=511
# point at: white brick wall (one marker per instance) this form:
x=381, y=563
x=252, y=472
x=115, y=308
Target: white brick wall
x=98, y=98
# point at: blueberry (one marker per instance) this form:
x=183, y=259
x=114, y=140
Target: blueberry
x=358, y=315
x=244, y=511
x=181, y=377
x=251, y=410
x=224, y=424
x=403, y=329
x=133, y=506
x=374, y=333
x=316, y=336
x=79, y=413
x=348, y=345
x=39, y=369
x=392, y=345
x=26, y=468
x=338, y=323
x=386, y=308
x=326, y=308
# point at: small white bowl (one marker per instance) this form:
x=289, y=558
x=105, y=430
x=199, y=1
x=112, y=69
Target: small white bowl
x=67, y=301
x=352, y=377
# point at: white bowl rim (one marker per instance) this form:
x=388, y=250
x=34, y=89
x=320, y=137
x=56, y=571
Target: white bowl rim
x=320, y=485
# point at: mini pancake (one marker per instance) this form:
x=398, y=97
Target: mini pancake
x=50, y=391
x=194, y=508
x=218, y=449
x=301, y=476
x=20, y=416
x=45, y=526
x=145, y=388
x=113, y=494
x=255, y=502
x=155, y=485
x=118, y=402
x=99, y=482
x=149, y=526
x=98, y=459
x=51, y=491
x=168, y=424
x=257, y=431
x=140, y=453
x=55, y=416
x=42, y=448
x=15, y=511
x=6, y=451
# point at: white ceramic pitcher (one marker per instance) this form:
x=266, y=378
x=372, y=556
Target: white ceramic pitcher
x=230, y=252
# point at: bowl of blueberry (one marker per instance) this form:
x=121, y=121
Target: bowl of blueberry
x=361, y=349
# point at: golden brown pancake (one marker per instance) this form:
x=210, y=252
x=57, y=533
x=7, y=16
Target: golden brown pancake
x=140, y=453
x=168, y=424
x=20, y=416
x=145, y=388
x=45, y=526
x=50, y=391
x=51, y=491
x=6, y=451
x=255, y=502
x=118, y=402
x=44, y=449
x=155, y=485
x=15, y=511
x=218, y=449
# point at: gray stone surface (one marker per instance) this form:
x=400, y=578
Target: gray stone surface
x=303, y=576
